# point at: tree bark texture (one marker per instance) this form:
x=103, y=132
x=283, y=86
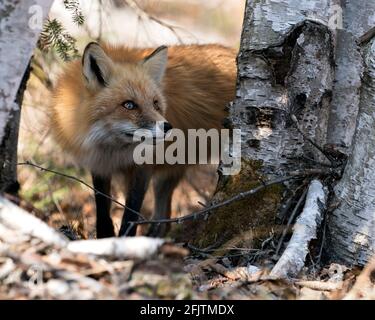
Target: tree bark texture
x=284, y=45
x=17, y=42
x=357, y=18
x=294, y=60
x=352, y=224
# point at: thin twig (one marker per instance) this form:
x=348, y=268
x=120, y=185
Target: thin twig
x=311, y=161
x=284, y=211
x=329, y=158
x=198, y=214
x=205, y=250
x=312, y=264
x=28, y=163
x=319, y=163
x=202, y=204
x=323, y=241
x=238, y=197
x=266, y=241
x=131, y=225
x=145, y=16
x=291, y=218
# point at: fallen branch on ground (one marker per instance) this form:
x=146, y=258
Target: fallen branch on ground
x=14, y=220
x=13, y=217
x=122, y=248
x=321, y=285
x=305, y=229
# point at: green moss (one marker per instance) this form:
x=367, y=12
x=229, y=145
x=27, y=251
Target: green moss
x=254, y=213
x=49, y=188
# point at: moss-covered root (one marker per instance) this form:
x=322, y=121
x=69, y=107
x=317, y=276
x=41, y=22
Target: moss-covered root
x=254, y=213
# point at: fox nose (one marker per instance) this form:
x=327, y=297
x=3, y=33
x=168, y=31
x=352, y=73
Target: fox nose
x=167, y=127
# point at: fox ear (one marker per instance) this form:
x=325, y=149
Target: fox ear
x=156, y=63
x=96, y=66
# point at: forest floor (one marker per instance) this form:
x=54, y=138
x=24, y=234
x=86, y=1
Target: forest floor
x=32, y=269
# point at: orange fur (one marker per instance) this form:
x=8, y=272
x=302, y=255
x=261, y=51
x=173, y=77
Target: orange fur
x=198, y=83
x=190, y=90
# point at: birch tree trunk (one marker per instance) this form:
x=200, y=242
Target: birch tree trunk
x=285, y=44
x=352, y=224
x=20, y=25
x=303, y=58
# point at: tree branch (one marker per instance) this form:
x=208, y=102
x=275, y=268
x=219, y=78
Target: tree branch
x=201, y=213
x=305, y=229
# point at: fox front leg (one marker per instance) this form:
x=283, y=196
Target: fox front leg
x=138, y=181
x=104, y=224
x=164, y=185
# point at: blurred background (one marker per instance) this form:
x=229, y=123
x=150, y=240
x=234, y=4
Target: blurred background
x=71, y=25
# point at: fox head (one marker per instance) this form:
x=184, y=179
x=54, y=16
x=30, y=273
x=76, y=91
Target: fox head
x=124, y=98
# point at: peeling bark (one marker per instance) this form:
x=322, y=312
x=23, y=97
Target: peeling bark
x=17, y=42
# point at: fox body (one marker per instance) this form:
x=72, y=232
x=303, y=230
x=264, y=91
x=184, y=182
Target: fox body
x=101, y=102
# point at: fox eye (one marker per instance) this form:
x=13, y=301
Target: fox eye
x=130, y=105
x=156, y=104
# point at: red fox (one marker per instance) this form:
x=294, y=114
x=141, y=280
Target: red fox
x=100, y=102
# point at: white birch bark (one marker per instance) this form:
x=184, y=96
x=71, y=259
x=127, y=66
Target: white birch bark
x=285, y=67
x=16, y=224
x=120, y=248
x=290, y=65
x=357, y=18
x=352, y=224
x=14, y=218
x=304, y=230
x=280, y=56
x=20, y=25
